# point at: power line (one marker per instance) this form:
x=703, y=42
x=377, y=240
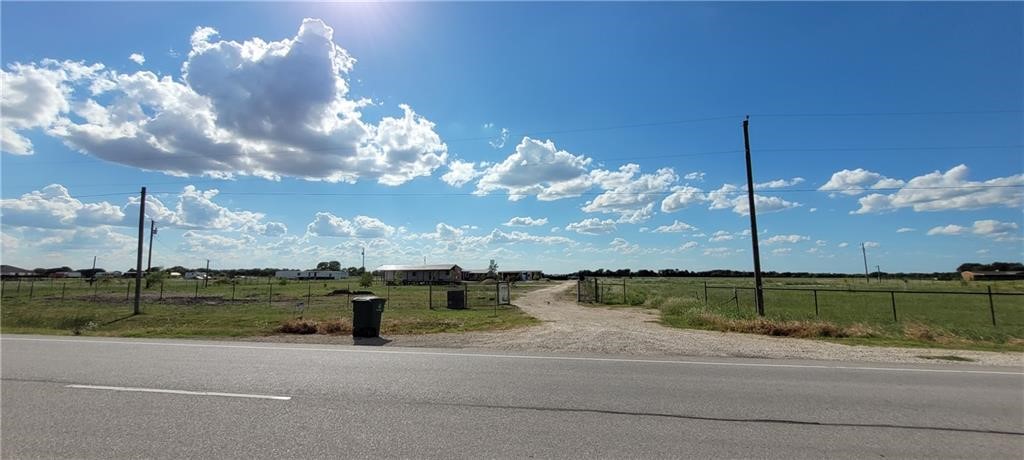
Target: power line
x=739, y=190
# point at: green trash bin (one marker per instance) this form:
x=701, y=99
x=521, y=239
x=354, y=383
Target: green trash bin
x=366, y=313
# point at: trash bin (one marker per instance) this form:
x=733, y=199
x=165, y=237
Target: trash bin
x=366, y=312
x=456, y=299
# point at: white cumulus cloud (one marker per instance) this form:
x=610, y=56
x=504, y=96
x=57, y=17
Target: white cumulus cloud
x=592, y=226
x=137, y=58
x=260, y=108
x=948, y=191
x=525, y=222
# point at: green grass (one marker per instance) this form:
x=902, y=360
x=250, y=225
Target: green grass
x=933, y=320
x=258, y=308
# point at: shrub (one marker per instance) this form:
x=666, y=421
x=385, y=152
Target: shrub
x=365, y=280
x=298, y=326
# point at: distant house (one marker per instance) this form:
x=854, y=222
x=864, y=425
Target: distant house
x=312, y=274
x=174, y=275
x=991, y=276
x=67, y=275
x=476, y=274
x=420, y=274
x=520, y=275
x=190, y=275
x=10, y=271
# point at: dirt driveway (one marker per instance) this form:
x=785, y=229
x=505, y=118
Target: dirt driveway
x=572, y=328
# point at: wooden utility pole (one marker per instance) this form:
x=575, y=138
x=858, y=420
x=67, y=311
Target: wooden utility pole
x=867, y=278
x=206, y=279
x=149, y=259
x=138, y=256
x=758, y=292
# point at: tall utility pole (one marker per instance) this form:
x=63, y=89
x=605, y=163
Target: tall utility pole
x=138, y=256
x=758, y=292
x=878, y=269
x=363, y=253
x=206, y=279
x=94, y=262
x=865, y=252
x=152, y=231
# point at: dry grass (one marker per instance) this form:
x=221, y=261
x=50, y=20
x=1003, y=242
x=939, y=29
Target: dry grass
x=782, y=328
x=305, y=326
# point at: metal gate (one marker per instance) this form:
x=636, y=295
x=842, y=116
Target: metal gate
x=587, y=290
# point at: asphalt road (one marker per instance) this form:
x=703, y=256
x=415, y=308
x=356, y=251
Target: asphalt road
x=347, y=401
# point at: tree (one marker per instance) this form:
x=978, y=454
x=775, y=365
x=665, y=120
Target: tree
x=323, y=266
x=365, y=280
x=154, y=277
x=334, y=265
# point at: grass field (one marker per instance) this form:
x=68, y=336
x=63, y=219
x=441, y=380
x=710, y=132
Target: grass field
x=251, y=307
x=953, y=320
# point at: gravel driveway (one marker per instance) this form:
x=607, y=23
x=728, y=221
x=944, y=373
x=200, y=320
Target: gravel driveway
x=572, y=328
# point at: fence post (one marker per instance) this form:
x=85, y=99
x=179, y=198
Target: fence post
x=3, y=288
x=196, y=296
x=129, y=291
x=497, y=293
x=17, y=290
x=624, y=291
x=309, y=293
x=815, y=303
x=63, y=287
x=991, y=306
x=270, y=293
x=161, y=290
x=579, y=281
x=736, y=297
x=31, y=287
x=430, y=296
x=465, y=294
x=892, y=295
x=232, y=292
x=705, y=293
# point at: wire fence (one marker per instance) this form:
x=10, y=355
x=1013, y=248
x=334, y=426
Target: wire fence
x=938, y=302
x=269, y=291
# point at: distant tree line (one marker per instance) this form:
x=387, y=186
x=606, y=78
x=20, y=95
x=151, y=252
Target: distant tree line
x=992, y=267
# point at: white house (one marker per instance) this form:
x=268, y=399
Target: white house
x=312, y=274
x=420, y=274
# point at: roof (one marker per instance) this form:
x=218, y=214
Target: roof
x=13, y=269
x=475, y=270
x=409, y=268
x=525, y=270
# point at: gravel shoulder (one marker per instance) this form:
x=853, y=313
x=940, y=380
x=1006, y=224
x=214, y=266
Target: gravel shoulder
x=571, y=328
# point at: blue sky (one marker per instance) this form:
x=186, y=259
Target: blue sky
x=558, y=136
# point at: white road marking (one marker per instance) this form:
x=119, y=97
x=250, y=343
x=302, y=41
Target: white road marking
x=179, y=392
x=552, y=358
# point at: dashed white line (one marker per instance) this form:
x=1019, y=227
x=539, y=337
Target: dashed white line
x=179, y=392
x=550, y=358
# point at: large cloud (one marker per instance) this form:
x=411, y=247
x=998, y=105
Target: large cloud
x=856, y=181
x=34, y=96
x=627, y=195
x=327, y=224
x=537, y=168
x=54, y=207
x=592, y=226
x=267, y=109
x=988, y=227
x=946, y=191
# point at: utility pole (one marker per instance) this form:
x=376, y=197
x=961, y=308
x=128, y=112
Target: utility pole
x=138, y=256
x=206, y=279
x=865, y=252
x=94, y=262
x=758, y=292
x=878, y=269
x=152, y=231
x=363, y=253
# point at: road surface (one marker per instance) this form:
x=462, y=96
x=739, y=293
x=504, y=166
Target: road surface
x=104, y=398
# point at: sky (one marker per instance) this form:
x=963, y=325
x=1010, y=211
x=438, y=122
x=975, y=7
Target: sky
x=543, y=136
